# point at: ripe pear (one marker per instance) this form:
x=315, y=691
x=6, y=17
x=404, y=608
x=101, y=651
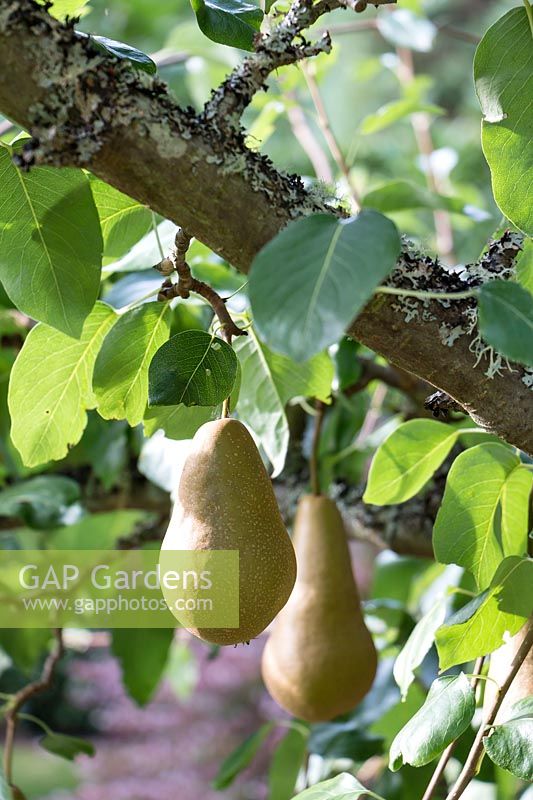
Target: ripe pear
x=522, y=685
x=225, y=501
x=320, y=659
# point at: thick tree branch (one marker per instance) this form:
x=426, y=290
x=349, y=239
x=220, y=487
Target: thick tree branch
x=87, y=109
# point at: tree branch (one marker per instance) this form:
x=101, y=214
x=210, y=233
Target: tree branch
x=21, y=698
x=85, y=108
x=471, y=764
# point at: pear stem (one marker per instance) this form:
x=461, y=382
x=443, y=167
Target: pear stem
x=314, y=459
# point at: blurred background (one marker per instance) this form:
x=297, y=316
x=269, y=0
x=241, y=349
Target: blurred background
x=396, y=99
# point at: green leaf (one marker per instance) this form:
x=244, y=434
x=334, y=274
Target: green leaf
x=342, y=787
x=120, y=380
x=445, y=715
x=402, y=28
x=393, y=112
x=25, y=646
x=269, y=381
x=104, y=446
x=260, y=403
x=335, y=265
x=145, y=253
x=178, y=422
x=515, y=511
x=41, y=502
x=232, y=22
x=50, y=388
x=524, y=266
x=510, y=745
x=123, y=51
x=67, y=8
x=124, y=221
x=143, y=655
x=241, y=757
x=469, y=522
x=182, y=422
x=400, y=195
x=503, y=74
x=347, y=366
x=67, y=747
x=407, y=459
x=417, y=646
x=192, y=368
x=506, y=319
x=479, y=627
x=286, y=764
x=98, y=531
x=50, y=243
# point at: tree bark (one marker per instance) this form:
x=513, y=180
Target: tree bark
x=86, y=109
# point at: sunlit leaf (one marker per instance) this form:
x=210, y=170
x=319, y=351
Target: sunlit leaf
x=447, y=712
x=407, y=459
x=50, y=243
x=480, y=626
x=503, y=74
x=51, y=387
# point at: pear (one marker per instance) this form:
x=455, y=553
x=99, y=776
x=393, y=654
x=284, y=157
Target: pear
x=320, y=659
x=522, y=685
x=225, y=501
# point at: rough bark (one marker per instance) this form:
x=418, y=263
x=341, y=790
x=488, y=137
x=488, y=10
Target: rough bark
x=87, y=109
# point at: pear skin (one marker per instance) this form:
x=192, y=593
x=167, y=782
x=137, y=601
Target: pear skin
x=225, y=501
x=320, y=660
x=522, y=685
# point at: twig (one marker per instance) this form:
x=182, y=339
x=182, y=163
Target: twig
x=315, y=447
x=457, y=33
x=283, y=45
x=471, y=764
x=307, y=140
x=396, y=378
x=361, y=5
x=421, y=124
x=187, y=284
x=168, y=58
x=329, y=136
x=22, y=697
x=447, y=754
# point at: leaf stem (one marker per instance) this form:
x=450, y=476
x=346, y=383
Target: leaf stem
x=139, y=300
x=327, y=131
x=471, y=764
x=427, y=295
x=529, y=12
x=158, y=240
x=21, y=698
x=37, y=721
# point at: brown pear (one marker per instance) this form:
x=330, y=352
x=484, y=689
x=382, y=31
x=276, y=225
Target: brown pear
x=320, y=659
x=522, y=685
x=225, y=501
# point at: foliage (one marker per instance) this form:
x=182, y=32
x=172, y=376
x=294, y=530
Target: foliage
x=102, y=385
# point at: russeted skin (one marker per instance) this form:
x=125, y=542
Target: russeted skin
x=225, y=501
x=522, y=685
x=320, y=660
